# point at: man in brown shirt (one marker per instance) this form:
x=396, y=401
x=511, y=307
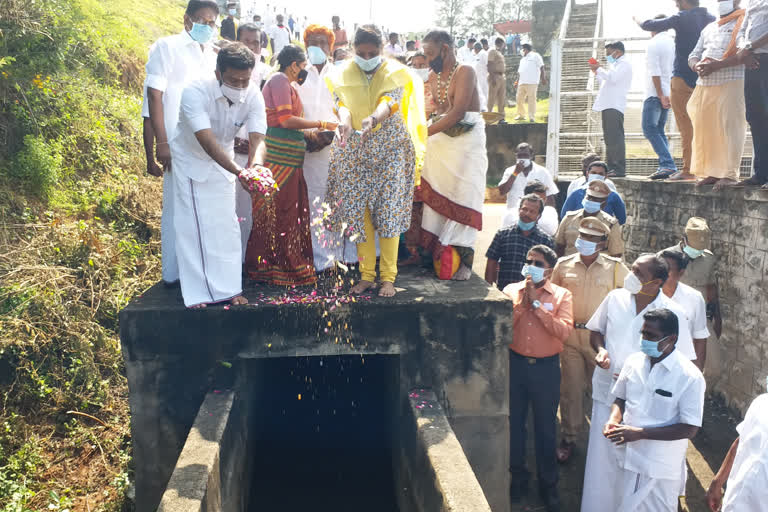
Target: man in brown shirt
x=589, y=275
x=542, y=320
x=497, y=79
x=568, y=231
x=341, y=40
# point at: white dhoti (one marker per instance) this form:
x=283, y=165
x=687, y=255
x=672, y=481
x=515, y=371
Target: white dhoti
x=170, y=266
x=641, y=493
x=243, y=208
x=328, y=247
x=208, y=239
x=602, y=482
x=453, y=187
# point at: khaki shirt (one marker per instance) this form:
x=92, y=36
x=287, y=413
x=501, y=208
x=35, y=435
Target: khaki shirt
x=701, y=272
x=568, y=232
x=588, y=285
x=496, y=63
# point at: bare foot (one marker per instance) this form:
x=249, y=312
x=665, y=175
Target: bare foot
x=463, y=274
x=239, y=301
x=387, y=289
x=706, y=181
x=198, y=306
x=724, y=183
x=361, y=287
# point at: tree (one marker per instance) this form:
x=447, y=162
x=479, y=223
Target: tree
x=450, y=14
x=521, y=9
x=486, y=14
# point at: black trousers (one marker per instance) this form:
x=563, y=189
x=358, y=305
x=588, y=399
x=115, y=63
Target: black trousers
x=535, y=382
x=613, y=134
x=756, y=99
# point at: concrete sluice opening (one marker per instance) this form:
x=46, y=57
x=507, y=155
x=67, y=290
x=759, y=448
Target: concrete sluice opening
x=325, y=434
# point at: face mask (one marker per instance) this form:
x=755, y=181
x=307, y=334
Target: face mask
x=302, y=76
x=595, y=177
x=232, y=12
x=536, y=273
x=525, y=161
x=422, y=73
x=233, y=94
x=369, y=64
x=526, y=226
x=725, y=7
x=632, y=284
x=436, y=64
x=590, y=206
x=610, y=59
x=651, y=348
x=316, y=55
x=258, y=24
x=201, y=33
x=585, y=247
x=766, y=384
x=691, y=252
x=339, y=62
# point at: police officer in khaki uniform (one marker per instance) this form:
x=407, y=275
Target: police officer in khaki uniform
x=568, y=231
x=589, y=275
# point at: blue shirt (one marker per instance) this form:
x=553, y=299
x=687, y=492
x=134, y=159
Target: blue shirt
x=614, y=205
x=688, y=25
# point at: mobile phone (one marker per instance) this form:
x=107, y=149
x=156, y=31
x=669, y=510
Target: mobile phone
x=592, y=60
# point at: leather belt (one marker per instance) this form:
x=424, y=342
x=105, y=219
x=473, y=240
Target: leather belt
x=580, y=326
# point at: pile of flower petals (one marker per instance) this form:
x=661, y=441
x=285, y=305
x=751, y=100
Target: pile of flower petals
x=259, y=178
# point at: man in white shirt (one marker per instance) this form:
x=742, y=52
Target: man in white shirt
x=745, y=466
x=517, y=177
x=690, y=299
x=611, y=102
x=280, y=37
x=548, y=222
x=659, y=59
x=466, y=54
x=481, y=70
x=393, y=49
x=174, y=62
x=207, y=230
x=659, y=406
x=615, y=336
x=530, y=75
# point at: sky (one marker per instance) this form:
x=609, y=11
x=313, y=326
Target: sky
x=419, y=15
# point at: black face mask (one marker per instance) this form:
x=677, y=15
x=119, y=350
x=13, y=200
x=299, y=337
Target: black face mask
x=302, y=76
x=436, y=64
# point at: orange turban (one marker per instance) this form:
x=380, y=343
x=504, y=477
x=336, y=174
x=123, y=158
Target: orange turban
x=321, y=30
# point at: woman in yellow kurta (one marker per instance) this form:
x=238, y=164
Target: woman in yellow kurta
x=374, y=160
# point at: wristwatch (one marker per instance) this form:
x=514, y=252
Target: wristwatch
x=748, y=46
x=536, y=304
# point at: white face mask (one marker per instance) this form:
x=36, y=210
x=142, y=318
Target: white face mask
x=725, y=7
x=422, y=73
x=233, y=94
x=595, y=177
x=632, y=284
x=525, y=161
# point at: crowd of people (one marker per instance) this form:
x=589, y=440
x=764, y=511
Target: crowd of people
x=333, y=152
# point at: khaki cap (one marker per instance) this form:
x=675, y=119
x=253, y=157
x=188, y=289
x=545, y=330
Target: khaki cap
x=592, y=226
x=697, y=232
x=599, y=189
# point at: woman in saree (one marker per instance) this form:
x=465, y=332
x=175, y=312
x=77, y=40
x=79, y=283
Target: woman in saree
x=280, y=247
x=374, y=160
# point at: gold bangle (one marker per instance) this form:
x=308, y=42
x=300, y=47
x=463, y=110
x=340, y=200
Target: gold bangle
x=322, y=125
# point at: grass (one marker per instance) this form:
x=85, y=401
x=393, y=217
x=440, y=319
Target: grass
x=542, y=113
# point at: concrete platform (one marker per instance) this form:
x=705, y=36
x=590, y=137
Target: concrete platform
x=450, y=337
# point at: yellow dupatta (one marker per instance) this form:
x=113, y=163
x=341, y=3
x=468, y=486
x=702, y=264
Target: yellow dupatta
x=362, y=97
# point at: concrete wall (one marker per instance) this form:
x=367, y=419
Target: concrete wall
x=547, y=16
x=738, y=218
x=501, y=140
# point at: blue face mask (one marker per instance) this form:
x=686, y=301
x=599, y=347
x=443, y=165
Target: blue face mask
x=691, y=252
x=651, y=348
x=201, y=33
x=590, y=206
x=585, y=247
x=369, y=64
x=611, y=59
x=316, y=55
x=525, y=226
x=536, y=273
x=595, y=177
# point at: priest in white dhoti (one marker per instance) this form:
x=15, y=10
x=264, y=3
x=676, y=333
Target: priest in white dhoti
x=206, y=176
x=659, y=406
x=174, y=62
x=745, y=466
x=251, y=36
x=327, y=247
x=455, y=164
x=615, y=336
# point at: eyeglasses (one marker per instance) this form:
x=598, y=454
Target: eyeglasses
x=536, y=263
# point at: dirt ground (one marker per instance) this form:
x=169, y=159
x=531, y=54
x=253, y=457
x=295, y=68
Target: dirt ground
x=705, y=452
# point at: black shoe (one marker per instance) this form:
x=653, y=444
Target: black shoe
x=517, y=489
x=551, y=499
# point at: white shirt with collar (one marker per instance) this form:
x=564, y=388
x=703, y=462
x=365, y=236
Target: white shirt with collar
x=692, y=302
x=615, y=83
x=529, y=68
x=659, y=60
x=393, y=50
x=465, y=56
x=175, y=62
x=671, y=392
x=618, y=321
x=281, y=36
x=747, y=483
x=203, y=106
x=538, y=172
x=318, y=104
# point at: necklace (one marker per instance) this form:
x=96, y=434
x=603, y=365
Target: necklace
x=442, y=95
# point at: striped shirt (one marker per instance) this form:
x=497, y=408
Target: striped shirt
x=713, y=42
x=510, y=248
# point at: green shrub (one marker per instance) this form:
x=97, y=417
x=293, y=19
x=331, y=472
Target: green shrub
x=37, y=166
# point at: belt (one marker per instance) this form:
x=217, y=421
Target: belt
x=534, y=360
x=580, y=326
